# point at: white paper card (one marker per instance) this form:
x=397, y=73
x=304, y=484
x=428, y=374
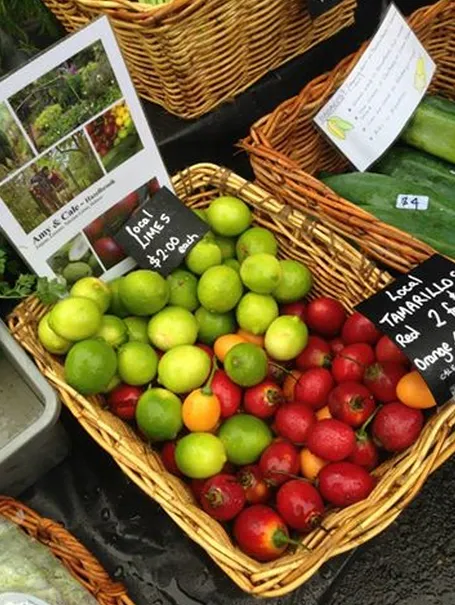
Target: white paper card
x=371, y=108
x=77, y=156
x=412, y=202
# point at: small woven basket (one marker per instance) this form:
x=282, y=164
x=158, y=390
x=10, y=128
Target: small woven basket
x=190, y=55
x=286, y=148
x=339, y=271
x=76, y=558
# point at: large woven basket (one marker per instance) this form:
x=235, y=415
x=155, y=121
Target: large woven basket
x=190, y=55
x=76, y=558
x=286, y=149
x=340, y=271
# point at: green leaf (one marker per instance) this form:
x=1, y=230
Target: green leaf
x=22, y=288
x=50, y=291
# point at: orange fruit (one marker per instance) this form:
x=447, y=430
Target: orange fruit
x=412, y=390
x=311, y=465
x=323, y=413
x=223, y=344
x=253, y=338
x=289, y=384
x=201, y=411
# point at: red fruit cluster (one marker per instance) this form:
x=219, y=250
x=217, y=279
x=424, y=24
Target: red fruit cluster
x=335, y=415
x=103, y=132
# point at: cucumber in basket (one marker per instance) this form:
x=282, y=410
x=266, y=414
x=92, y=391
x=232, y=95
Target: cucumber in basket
x=419, y=168
x=378, y=193
x=432, y=128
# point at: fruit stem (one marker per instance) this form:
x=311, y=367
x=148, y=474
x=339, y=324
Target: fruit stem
x=207, y=388
x=362, y=432
x=283, y=369
x=280, y=538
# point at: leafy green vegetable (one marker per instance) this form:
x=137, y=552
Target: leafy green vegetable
x=15, y=283
x=50, y=291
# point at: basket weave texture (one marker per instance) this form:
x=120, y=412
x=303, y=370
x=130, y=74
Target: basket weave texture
x=286, y=149
x=190, y=55
x=76, y=558
x=339, y=271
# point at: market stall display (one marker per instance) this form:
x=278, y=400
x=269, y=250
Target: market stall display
x=338, y=272
x=41, y=559
x=288, y=152
x=191, y=56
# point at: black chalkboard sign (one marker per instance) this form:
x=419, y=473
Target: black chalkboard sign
x=161, y=232
x=418, y=312
x=318, y=7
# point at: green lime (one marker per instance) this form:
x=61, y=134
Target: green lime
x=115, y=381
x=261, y=273
x=255, y=312
x=233, y=263
x=184, y=368
x=202, y=256
x=212, y=325
x=202, y=214
x=137, y=328
x=90, y=366
x=246, y=364
x=75, y=318
x=229, y=216
x=159, y=414
x=113, y=330
x=171, y=327
x=244, y=437
x=50, y=340
x=183, y=289
x=95, y=289
x=200, y=455
x=144, y=292
x=256, y=240
x=117, y=307
x=286, y=337
x=219, y=289
x=137, y=363
x=296, y=282
x=226, y=245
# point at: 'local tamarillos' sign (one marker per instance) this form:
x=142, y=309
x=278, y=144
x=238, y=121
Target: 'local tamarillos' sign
x=161, y=232
x=418, y=312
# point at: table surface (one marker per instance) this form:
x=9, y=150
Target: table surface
x=412, y=563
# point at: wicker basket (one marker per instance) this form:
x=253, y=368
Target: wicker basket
x=340, y=271
x=76, y=558
x=190, y=55
x=286, y=148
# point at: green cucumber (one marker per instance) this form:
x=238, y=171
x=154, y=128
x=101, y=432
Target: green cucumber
x=432, y=128
x=377, y=194
x=419, y=168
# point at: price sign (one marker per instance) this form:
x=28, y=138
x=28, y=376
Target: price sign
x=161, y=233
x=418, y=312
x=318, y=7
x=412, y=202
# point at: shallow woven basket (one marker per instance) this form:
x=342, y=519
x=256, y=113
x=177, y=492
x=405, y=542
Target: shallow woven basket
x=76, y=558
x=340, y=271
x=286, y=148
x=190, y=55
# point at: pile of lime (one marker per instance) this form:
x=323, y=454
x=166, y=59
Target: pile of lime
x=149, y=331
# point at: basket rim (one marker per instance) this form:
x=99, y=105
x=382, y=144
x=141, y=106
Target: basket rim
x=263, y=128
x=72, y=554
x=400, y=479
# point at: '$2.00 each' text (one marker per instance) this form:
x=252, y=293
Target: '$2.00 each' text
x=162, y=254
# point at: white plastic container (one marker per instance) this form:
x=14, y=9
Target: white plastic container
x=32, y=441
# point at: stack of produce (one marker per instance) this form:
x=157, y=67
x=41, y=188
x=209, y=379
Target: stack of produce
x=422, y=164
x=274, y=407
